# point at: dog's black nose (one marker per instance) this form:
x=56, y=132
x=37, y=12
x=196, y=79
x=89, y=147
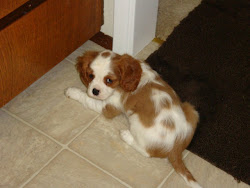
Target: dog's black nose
x=95, y=91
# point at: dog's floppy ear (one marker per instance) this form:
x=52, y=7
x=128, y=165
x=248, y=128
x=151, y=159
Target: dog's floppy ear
x=129, y=71
x=82, y=66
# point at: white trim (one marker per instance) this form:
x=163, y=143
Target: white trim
x=108, y=14
x=123, y=26
x=131, y=26
x=134, y=25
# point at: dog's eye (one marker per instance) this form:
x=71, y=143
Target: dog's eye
x=109, y=81
x=91, y=76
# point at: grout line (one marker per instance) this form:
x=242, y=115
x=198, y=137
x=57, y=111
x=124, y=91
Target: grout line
x=48, y=136
x=171, y=172
x=64, y=146
x=98, y=167
x=188, y=152
x=165, y=179
x=85, y=128
x=28, y=124
x=72, y=62
x=38, y=171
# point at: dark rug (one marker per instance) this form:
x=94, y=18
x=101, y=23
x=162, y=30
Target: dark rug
x=206, y=60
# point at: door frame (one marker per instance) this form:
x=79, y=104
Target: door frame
x=134, y=25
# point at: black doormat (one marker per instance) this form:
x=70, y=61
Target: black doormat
x=206, y=60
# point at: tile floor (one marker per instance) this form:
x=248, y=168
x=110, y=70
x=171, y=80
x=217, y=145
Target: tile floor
x=48, y=140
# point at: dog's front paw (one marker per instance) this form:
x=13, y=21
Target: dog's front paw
x=126, y=136
x=73, y=93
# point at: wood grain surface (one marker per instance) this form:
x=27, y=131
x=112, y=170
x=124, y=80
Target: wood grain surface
x=7, y=6
x=35, y=43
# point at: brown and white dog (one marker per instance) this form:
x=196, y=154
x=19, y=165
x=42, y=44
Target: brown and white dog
x=160, y=124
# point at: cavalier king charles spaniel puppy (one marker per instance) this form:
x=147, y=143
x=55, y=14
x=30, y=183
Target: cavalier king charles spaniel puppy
x=160, y=124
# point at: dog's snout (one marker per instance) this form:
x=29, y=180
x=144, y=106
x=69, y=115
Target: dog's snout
x=95, y=91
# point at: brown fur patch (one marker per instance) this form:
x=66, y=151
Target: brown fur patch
x=161, y=152
x=141, y=104
x=168, y=124
x=129, y=71
x=106, y=54
x=158, y=152
x=116, y=57
x=83, y=66
x=168, y=89
x=110, y=111
x=179, y=166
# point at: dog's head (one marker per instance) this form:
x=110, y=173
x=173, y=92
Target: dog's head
x=103, y=72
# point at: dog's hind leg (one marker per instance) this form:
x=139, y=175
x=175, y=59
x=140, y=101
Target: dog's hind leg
x=127, y=137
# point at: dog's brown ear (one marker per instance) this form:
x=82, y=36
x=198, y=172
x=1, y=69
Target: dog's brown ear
x=129, y=70
x=82, y=66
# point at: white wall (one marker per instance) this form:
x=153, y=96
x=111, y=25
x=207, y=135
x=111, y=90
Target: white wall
x=131, y=23
x=108, y=26
x=134, y=25
x=144, y=23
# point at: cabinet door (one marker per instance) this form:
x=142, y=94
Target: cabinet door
x=7, y=6
x=36, y=42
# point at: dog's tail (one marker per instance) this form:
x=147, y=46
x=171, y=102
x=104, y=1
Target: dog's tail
x=175, y=157
x=181, y=169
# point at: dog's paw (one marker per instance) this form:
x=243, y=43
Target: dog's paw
x=73, y=93
x=126, y=136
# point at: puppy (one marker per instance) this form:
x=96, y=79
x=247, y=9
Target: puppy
x=160, y=124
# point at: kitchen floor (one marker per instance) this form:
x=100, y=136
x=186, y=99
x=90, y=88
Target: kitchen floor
x=48, y=140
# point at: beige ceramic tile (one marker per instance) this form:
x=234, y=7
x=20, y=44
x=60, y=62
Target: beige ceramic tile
x=23, y=151
x=205, y=173
x=87, y=46
x=147, y=50
x=45, y=106
x=68, y=170
x=101, y=144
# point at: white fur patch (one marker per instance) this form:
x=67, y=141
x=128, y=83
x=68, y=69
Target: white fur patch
x=126, y=136
x=101, y=67
x=190, y=183
x=147, y=137
x=148, y=75
x=160, y=98
x=115, y=100
x=158, y=135
x=176, y=115
x=142, y=135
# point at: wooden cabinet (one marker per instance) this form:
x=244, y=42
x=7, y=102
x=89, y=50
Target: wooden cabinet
x=37, y=41
x=8, y=6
